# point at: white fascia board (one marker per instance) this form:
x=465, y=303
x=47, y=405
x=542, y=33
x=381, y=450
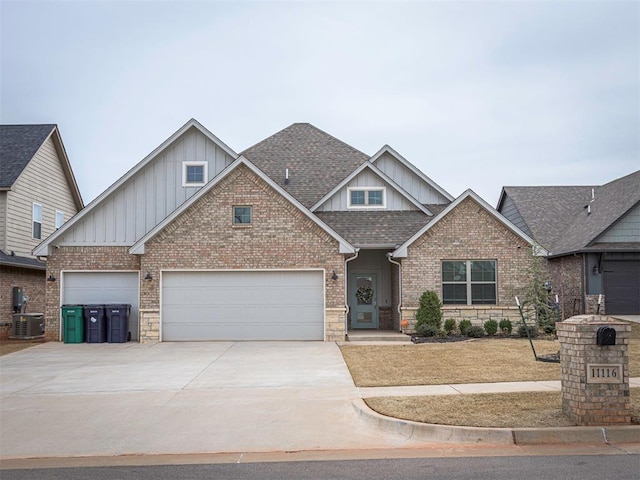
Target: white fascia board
x=383, y=176
x=401, y=251
x=42, y=250
x=411, y=167
x=138, y=247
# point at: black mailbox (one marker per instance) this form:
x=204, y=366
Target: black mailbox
x=606, y=336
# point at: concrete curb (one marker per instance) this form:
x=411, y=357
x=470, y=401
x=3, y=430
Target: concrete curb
x=497, y=436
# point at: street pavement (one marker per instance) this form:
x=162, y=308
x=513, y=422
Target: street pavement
x=88, y=400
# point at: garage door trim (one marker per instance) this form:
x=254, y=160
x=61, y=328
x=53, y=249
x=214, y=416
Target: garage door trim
x=62, y=291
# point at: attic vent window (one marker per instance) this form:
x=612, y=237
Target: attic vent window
x=194, y=174
x=367, y=197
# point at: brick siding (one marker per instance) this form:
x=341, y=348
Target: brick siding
x=33, y=286
x=468, y=232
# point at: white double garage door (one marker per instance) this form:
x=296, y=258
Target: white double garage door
x=217, y=305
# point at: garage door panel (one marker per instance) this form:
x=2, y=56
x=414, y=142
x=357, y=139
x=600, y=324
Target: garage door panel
x=82, y=288
x=248, y=305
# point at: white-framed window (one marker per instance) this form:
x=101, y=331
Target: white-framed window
x=367, y=197
x=469, y=282
x=59, y=219
x=194, y=174
x=242, y=215
x=37, y=221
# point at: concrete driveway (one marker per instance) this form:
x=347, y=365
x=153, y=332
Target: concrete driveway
x=172, y=398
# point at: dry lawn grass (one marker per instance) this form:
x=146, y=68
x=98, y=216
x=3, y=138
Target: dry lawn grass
x=10, y=346
x=472, y=361
x=498, y=410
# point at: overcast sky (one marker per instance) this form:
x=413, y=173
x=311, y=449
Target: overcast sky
x=476, y=94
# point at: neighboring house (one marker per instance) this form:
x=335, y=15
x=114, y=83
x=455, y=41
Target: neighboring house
x=38, y=194
x=592, y=236
x=298, y=237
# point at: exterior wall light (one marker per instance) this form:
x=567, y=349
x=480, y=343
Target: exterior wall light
x=51, y=278
x=334, y=276
x=148, y=277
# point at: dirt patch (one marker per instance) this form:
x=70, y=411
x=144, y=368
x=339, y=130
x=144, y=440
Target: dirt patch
x=497, y=410
x=10, y=346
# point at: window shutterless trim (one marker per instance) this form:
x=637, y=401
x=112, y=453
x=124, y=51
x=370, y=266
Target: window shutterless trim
x=185, y=182
x=60, y=215
x=238, y=219
x=366, y=191
x=36, y=220
x=469, y=283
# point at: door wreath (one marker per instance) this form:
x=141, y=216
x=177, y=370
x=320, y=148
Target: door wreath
x=364, y=295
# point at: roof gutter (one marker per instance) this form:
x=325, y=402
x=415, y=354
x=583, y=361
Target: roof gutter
x=389, y=257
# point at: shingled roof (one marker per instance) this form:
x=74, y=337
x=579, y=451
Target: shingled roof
x=567, y=219
x=18, y=145
x=317, y=162
x=384, y=228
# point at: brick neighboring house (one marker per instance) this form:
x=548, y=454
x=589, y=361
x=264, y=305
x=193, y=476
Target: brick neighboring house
x=300, y=237
x=592, y=238
x=38, y=193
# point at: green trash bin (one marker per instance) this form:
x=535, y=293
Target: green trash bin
x=73, y=324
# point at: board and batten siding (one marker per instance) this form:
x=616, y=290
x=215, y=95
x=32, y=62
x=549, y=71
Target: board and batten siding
x=627, y=229
x=412, y=183
x=367, y=178
x=42, y=181
x=142, y=202
x=511, y=213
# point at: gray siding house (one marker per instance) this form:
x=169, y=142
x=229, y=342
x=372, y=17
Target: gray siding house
x=38, y=194
x=592, y=236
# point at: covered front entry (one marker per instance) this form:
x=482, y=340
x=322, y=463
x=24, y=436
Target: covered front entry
x=372, y=291
x=242, y=305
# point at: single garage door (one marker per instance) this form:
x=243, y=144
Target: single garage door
x=86, y=288
x=244, y=305
x=622, y=287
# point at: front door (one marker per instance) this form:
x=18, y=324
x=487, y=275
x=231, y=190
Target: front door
x=363, y=301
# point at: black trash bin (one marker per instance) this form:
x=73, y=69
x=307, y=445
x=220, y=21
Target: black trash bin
x=95, y=323
x=118, y=323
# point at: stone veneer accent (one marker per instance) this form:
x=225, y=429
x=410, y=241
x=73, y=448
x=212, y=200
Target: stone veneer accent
x=468, y=232
x=587, y=403
x=477, y=314
x=149, y=326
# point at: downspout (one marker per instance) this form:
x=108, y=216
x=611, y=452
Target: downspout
x=399, y=286
x=346, y=283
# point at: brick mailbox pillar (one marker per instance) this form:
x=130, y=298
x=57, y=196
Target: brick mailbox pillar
x=595, y=377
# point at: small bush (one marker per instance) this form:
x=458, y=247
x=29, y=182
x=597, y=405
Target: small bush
x=522, y=331
x=429, y=312
x=450, y=326
x=475, y=331
x=505, y=326
x=464, y=326
x=491, y=327
x=427, y=330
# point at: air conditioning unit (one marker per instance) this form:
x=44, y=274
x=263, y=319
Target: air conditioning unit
x=28, y=325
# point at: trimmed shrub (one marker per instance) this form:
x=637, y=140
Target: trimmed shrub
x=475, y=331
x=505, y=326
x=450, y=326
x=429, y=312
x=464, y=326
x=426, y=330
x=491, y=327
x=522, y=331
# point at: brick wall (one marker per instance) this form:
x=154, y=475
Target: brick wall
x=33, y=285
x=590, y=399
x=80, y=258
x=280, y=237
x=566, y=275
x=469, y=232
